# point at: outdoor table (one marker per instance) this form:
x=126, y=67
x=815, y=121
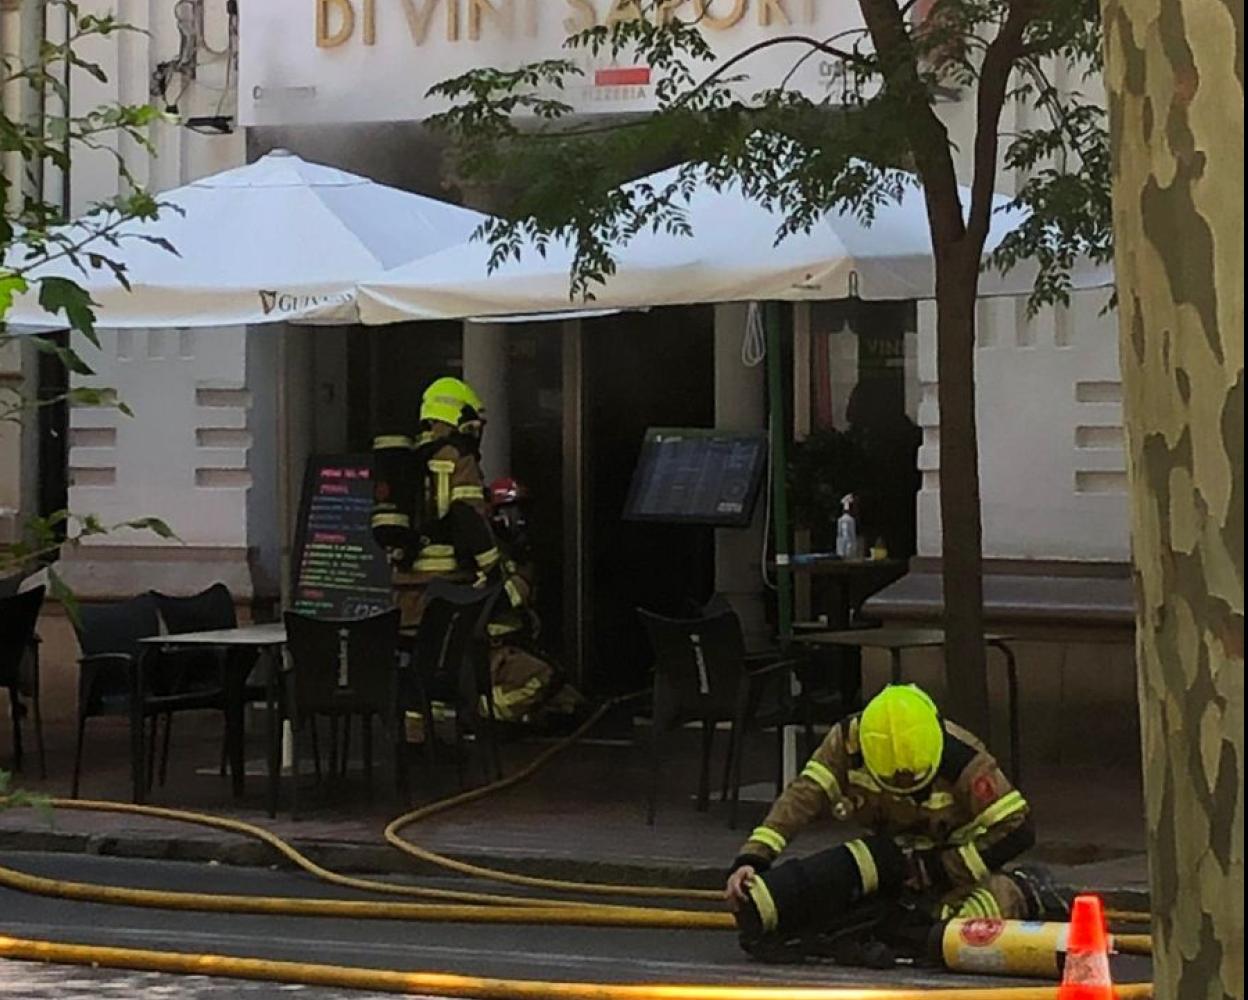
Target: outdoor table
x=839, y=588
x=267, y=640
x=896, y=639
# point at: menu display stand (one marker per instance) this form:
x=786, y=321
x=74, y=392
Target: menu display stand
x=697, y=476
x=339, y=571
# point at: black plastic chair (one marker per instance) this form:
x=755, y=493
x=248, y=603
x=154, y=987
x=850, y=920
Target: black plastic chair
x=109, y=679
x=191, y=671
x=19, y=666
x=451, y=664
x=339, y=668
x=702, y=674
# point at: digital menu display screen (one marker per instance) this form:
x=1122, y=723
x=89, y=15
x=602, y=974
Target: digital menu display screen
x=697, y=476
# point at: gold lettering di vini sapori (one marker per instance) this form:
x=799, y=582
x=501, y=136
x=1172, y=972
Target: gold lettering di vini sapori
x=341, y=21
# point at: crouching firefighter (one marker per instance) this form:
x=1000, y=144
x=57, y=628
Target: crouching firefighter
x=943, y=821
x=429, y=507
x=527, y=688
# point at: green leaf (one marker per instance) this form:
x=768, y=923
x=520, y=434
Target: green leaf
x=84, y=395
x=153, y=524
x=61, y=295
x=68, y=356
x=58, y=590
x=11, y=285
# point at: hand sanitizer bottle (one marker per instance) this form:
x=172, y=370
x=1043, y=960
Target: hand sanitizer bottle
x=847, y=530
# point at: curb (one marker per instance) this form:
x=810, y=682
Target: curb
x=381, y=859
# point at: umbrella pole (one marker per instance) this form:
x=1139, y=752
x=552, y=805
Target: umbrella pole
x=285, y=516
x=282, y=419
x=779, y=473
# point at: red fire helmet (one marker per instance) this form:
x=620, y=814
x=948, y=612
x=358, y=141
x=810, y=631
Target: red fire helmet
x=505, y=490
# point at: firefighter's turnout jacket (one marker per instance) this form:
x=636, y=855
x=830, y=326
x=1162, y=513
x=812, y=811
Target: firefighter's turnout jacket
x=953, y=835
x=456, y=541
x=514, y=614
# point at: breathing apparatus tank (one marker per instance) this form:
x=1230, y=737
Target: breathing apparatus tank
x=985, y=946
x=395, y=484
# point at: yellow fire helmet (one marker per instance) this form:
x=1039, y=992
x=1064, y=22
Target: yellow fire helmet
x=902, y=738
x=451, y=401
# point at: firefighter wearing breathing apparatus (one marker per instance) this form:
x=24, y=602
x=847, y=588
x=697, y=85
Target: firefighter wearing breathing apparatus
x=429, y=506
x=527, y=688
x=942, y=821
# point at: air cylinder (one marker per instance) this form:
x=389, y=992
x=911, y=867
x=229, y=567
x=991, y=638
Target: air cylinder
x=394, y=494
x=982, y=946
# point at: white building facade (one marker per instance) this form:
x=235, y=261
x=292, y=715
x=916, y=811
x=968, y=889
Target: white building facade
x=202, y=451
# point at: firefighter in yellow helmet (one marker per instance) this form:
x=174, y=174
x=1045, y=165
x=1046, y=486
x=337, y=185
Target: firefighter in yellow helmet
x=941, y=821
x=528, y=689
x=430, y=512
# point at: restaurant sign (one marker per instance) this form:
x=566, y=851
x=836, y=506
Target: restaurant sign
x=375, y=60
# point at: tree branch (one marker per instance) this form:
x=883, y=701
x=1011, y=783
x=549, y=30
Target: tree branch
x=827, y=41
x=994, y=77
x=814, y=44
x=930, y=141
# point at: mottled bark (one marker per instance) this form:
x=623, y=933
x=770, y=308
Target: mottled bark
x=1175, y=75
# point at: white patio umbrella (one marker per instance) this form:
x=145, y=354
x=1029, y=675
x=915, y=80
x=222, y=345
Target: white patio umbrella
x=732, y=255
x=278, y=240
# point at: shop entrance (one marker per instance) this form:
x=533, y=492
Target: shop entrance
x=384, y=371
x=642, y=370
x=637, y=371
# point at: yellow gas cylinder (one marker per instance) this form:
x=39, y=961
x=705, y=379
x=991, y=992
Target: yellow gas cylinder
x=1005, y=947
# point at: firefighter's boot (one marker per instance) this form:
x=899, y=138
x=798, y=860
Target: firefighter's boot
x=1042, y=898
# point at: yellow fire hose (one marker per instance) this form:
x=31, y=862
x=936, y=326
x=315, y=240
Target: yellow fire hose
x=455, y=906
x=449, y=985
x=392, y=835
x=300, y=860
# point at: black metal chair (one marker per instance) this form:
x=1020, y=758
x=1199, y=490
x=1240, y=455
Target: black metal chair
x=19, y=666
x=451, y=664
x=191, y=671
x=702, y=674
x=339, y=668
x=109, y=679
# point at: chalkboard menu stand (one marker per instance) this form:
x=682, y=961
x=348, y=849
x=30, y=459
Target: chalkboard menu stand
x=339, y=571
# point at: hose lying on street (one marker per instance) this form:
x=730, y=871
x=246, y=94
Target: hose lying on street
x=393, y=837
x=452, y=905
x=480, y=988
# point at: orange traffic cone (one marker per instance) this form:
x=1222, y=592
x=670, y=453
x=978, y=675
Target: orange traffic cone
x=1085, y=975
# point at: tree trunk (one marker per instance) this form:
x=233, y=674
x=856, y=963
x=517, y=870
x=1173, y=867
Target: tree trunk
x=961, y=531
x=1174, y=73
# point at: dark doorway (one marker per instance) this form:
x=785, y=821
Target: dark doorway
x=535, y=403
x=387, y=371
x=871, y=398
x=643, y=370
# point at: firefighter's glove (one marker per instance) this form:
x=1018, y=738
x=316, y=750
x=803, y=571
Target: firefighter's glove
x=737, y=890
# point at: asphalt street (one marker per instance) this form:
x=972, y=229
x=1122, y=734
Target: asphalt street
x=545, y=953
